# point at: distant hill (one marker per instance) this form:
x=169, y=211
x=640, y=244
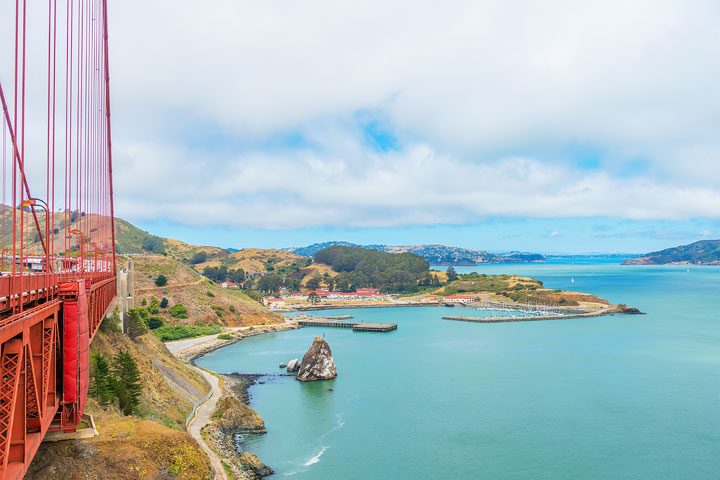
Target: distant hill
x=704, y=252
x=311, y=250
x=434, y=254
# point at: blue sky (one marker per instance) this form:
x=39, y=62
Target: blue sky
x=555, y=127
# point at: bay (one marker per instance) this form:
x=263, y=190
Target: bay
x=602, y=398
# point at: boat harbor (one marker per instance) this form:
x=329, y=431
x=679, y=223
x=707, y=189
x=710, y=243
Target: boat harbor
x=530, y=318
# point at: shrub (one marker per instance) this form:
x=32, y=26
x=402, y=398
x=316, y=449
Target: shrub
x=199, y=257
x=154, y=323
x=232, y=308
x=225, y=336
x=168, y=333
x=161, y=280
x=154, y=244
x=164, y=302
x=179, y=311
x=210, y=294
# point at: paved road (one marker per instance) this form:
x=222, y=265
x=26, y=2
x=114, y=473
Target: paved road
x=202, y=417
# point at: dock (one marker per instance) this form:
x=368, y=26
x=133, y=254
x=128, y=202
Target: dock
x=326, y=322
x=355, y=326
x=374, y=327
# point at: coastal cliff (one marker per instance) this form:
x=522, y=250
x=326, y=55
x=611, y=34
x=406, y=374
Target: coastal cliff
x=234, y=418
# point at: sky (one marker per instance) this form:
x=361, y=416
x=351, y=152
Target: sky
x=558, y=126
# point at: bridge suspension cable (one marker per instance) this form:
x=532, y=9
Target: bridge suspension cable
x=57, y=258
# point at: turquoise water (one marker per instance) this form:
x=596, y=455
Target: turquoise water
x=626, y=397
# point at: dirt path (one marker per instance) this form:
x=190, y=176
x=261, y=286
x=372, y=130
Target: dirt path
x=202, y=417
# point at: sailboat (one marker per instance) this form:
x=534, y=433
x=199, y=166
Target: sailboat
x=572, y=280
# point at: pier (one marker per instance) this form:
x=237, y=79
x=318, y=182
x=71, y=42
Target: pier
x=374, y=327
x=355, y=326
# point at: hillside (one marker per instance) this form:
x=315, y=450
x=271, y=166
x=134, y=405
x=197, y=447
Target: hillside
x=705, y=252
x=518, y=289
x=154, y=446
x=207, y=302
x=435, y=254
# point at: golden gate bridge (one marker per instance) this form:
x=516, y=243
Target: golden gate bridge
x=57, y=264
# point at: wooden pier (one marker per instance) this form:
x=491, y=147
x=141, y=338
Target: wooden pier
x=355, y=326
x=374, y=327
x=326, y=322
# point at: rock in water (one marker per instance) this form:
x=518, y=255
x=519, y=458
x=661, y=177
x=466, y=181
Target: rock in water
x=317, y=364
x=282, y=365
x=293, y=365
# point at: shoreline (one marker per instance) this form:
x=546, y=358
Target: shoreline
x=218, y=443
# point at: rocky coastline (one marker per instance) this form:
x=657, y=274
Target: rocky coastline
x=233, y=415
x=233, y=419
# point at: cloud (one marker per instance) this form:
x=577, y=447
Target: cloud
x=278, y=115
x=344, y=182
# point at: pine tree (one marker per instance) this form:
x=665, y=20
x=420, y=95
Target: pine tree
x=135, y=324
x=127, y=384
x=164, y=303
x=101, y=386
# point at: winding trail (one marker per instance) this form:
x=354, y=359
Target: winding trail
x=202, y=417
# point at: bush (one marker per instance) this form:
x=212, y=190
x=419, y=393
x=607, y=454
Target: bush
x=154, y=307
x=168, y=333
x=154, y=244
x=232, y=308
x=178, y=311
x=225, y=336
x=161, y=280
x=164, y=303
x=154, y=323
x=199, y=257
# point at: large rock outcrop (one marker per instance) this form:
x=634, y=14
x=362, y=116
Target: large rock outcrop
x=317, y=364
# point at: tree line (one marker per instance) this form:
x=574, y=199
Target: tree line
x=390, y=272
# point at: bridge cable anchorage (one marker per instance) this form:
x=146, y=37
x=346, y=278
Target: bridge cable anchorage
x=57, y=239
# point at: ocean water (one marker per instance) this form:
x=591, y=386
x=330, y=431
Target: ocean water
x=623, y=397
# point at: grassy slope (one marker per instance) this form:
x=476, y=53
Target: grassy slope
x=130, y=447
x=202, y=297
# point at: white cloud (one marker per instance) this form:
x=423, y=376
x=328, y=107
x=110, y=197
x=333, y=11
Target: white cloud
x=360, y=187
x=488, y=99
